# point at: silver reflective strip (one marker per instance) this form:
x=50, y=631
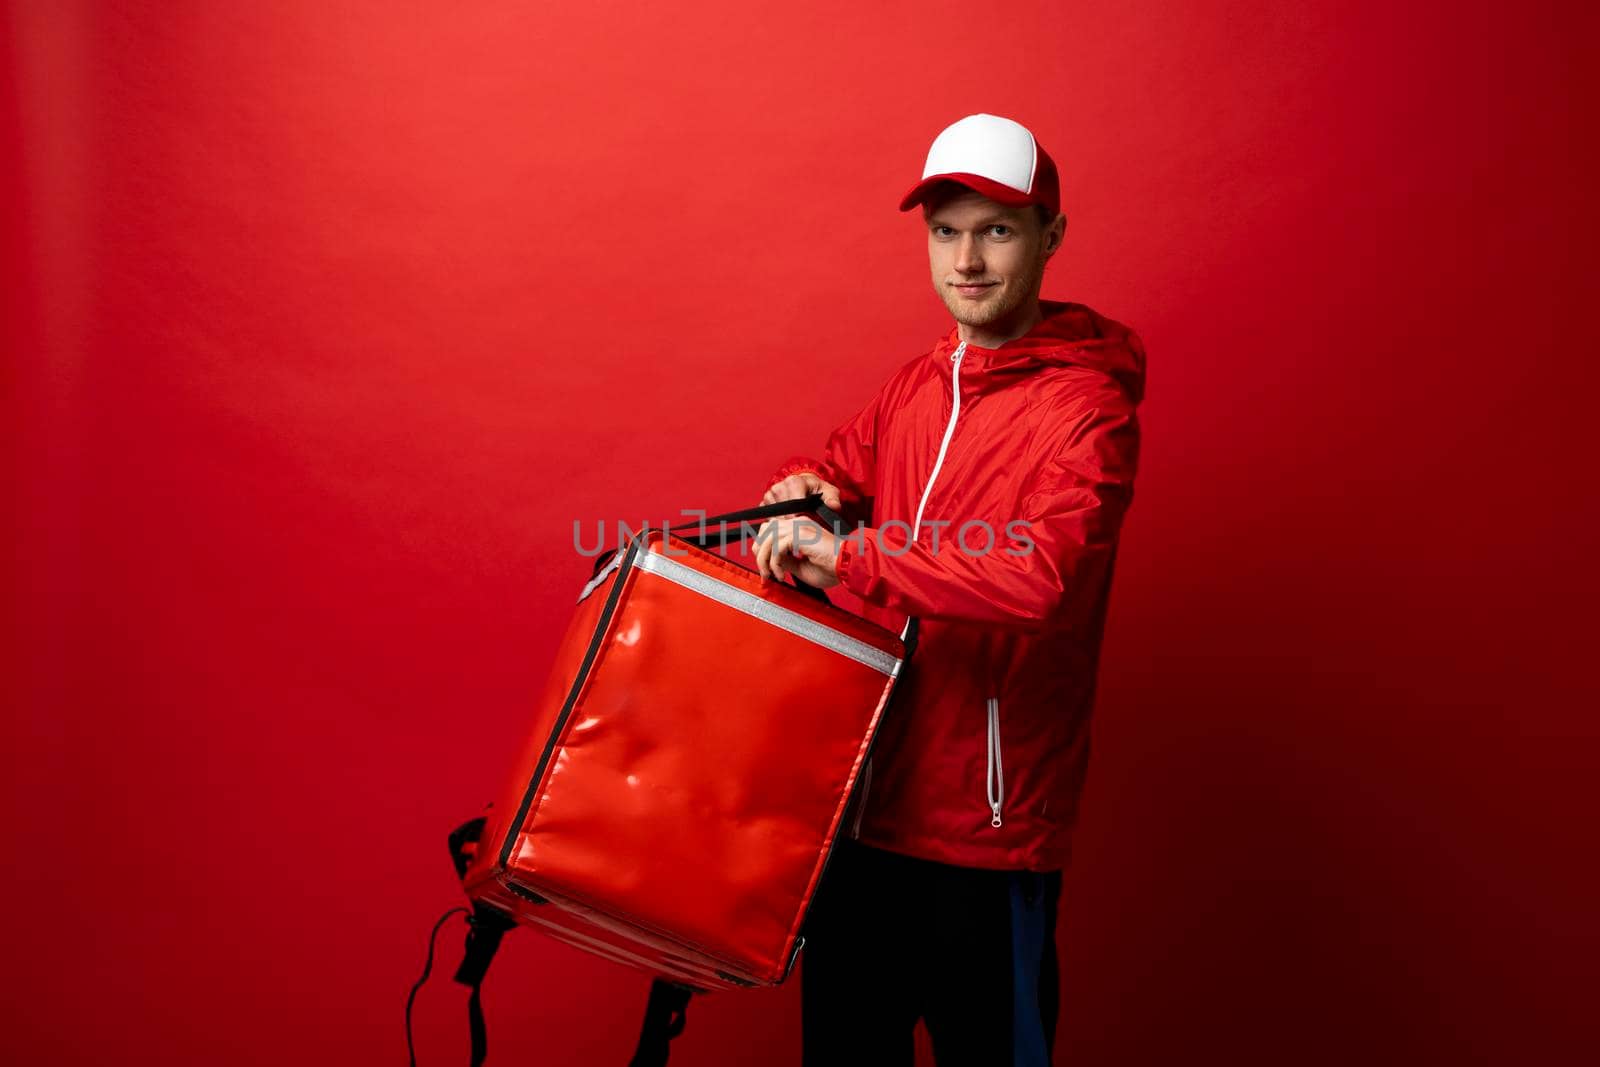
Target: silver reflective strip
x=594, y=583
x=766, y=611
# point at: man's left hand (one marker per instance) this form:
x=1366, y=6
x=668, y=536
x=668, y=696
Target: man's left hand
x=794, y=544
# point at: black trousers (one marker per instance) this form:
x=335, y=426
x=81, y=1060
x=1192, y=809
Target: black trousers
x=891, y=939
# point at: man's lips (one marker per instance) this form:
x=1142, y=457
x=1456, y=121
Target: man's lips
x=974, y=290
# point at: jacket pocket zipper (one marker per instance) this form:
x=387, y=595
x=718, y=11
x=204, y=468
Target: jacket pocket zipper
x=996, y=780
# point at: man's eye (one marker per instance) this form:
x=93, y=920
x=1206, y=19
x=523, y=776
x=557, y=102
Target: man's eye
x=1001, y=231
x=943, y=231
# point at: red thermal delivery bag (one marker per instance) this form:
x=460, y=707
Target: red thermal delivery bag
x=688, y=766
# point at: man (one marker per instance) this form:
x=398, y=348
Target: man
x=990, y=478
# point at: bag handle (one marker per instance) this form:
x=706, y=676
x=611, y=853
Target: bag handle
x=806, y=505
x=803, y=505
x=810, y=504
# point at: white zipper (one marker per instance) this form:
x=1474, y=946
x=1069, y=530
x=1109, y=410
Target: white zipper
x=995, y=784
x=916, y=528
x=949, y=430
x=944, y=445
x=996, y=781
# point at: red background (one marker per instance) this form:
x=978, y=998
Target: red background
x=323, y=323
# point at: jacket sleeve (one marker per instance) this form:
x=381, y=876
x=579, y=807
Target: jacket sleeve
x=1071, y=515
x=849, y=461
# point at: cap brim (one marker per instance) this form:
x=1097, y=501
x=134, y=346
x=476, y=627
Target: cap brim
x=1001, y=194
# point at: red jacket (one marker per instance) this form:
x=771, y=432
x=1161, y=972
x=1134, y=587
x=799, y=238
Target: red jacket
x=982, y=758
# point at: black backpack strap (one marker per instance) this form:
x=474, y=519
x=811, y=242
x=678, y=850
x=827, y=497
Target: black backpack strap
x=427, y=969
x=665, y=1013
x=664, y=1018
x=486, y=925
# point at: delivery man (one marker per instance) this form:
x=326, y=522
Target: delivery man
x=987, y=480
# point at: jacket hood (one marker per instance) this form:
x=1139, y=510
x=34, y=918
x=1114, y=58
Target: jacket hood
x=1069, y=335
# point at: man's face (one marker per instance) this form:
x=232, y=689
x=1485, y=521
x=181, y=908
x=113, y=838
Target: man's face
x=987, y=259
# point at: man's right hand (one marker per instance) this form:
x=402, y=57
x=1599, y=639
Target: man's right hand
x=802, y=484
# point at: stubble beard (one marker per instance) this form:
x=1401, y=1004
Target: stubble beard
x=999, y=305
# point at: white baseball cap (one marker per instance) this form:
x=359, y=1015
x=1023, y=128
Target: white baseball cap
x=995, y=156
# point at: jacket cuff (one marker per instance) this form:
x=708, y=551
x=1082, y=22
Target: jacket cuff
x=794, y=465
x=854, y=564
x=841, y=560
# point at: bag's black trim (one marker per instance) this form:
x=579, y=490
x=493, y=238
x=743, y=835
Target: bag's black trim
x=895, y=686
x=617, y=581
x=525, y=893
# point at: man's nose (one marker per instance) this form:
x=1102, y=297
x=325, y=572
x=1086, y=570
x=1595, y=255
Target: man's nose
x=969, y=258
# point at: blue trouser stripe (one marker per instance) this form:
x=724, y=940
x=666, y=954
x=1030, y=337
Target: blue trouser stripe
x=1028, y=933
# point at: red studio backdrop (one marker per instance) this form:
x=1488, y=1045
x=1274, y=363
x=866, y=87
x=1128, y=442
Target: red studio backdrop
x=323, y=323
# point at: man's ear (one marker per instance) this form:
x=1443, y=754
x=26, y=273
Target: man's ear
x=1054, y=234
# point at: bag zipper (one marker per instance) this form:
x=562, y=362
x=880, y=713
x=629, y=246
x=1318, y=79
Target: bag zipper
x=916, y=528
x=861, y=803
